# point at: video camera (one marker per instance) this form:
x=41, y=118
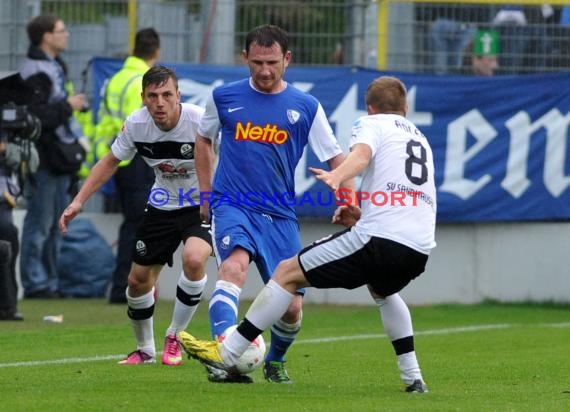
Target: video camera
x=18, y=127
x=16, y=122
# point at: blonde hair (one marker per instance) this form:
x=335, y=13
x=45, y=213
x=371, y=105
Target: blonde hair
x=386, y=94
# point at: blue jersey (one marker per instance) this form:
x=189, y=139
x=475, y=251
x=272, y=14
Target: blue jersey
x=262, y=139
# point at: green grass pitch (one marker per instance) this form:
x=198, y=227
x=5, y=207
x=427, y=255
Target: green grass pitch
x=487, y=357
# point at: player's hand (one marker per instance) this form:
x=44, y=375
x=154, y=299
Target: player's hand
x=205, y=211
x=328, y=178
x=67, y=216
x=77, y=101
x=346, y=215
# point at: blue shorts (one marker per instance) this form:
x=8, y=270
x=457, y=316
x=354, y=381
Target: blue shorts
x=268, y=239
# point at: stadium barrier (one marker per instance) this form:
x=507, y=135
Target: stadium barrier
x=507, y=262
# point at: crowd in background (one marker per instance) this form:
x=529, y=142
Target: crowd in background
x=521, y=38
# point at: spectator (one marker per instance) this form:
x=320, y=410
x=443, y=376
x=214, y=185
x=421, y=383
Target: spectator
x=525, y=43
x=46, y=193
x=484, y=60
x=452, y=29
x=338, y=55
x=133, y=179
x=481, y=54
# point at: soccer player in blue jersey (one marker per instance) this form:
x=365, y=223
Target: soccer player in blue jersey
x=265, y=124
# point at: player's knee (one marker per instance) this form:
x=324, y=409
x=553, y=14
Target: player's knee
x=193, y=264
x=295, y=310
x=232, y=271
x=138, y=283
x=195, y=253
x=133, y=282
x=289, y=274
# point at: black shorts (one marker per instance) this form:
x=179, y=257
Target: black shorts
x=349, y=260
x=161, y=231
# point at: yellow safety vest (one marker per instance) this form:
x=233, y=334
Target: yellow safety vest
x=122, y=96
x=85, y=120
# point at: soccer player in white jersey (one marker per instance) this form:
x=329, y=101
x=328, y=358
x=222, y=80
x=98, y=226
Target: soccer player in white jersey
x=163, y=133
x=265, y=124
x=386, y=246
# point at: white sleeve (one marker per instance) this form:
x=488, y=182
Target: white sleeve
x=321, y=137
x=210, y=122
x=365, y=131
x=124, y=147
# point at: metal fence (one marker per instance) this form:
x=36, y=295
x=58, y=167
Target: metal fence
x=531, y=37
x=397, y=35
x=195, y=31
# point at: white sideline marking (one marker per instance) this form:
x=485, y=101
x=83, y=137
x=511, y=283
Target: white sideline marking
x=60, y=361
x=445, y=331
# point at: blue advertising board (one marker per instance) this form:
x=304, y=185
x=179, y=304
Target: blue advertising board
x=500, y=144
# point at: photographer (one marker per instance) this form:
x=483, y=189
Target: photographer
x=46, y=193
x=18, y=160
x=8, y=242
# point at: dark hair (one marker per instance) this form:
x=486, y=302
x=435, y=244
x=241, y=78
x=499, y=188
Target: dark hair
x=147, y=42
x=158, y=76
x=266, y=35
x=40, y=25
x=386, y=94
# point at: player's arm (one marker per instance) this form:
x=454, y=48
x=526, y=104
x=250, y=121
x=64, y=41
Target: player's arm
x=358, y=159
x=324, y=144
x=348, y=185
x=346, y=215
x=204, y=160
x=101, y=173
x=352, y=166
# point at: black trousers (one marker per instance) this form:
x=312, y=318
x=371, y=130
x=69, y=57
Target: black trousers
x=9, y=249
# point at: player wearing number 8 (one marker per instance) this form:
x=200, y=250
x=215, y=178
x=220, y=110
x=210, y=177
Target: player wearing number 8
x=385, y=247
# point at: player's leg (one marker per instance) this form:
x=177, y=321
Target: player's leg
x=393, y=275
x=267, y=308
x=140, y=300
x=233, y=246
x=189, y=290
x=336, y=261
x=335, y=267
x=224, y=303
x=279, y=239
x=191, y=283
x=155, y=242
x=397, y=323
x=232, y=243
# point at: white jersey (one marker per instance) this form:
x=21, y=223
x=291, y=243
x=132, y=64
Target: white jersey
x=170, y=153
x=399, y=182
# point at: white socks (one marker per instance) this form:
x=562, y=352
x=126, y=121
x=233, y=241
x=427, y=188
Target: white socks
x=143, y=328
x=267, y=308
x=397, y=322
x=185, y=310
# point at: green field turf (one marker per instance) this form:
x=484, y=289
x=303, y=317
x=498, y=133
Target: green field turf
x=486, y=357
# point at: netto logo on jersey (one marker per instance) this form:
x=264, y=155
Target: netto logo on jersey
x=267, y=134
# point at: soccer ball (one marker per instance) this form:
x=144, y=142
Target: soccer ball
x=253, y=356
